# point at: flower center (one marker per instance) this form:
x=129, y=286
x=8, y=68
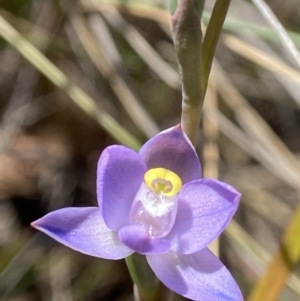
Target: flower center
x=155, y=204
x=162, y=180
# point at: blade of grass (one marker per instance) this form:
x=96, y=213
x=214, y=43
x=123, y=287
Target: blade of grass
x=252, y=147
x=137, y=9
x=211, y=39
x=111, y=74
x=286, y=40
x=239, y=236
x=160, y=16
x=94, y=276
x=259, y=130
x=38, y=36
x=248, y=145
x=250, y=28
x=262, y=58
x=266, y=204
x=22, y=262
x=210, y=148
x=143, y=48
x=58, y=78
x=119, y=78
x=258, y=256
x=267, y=58
x=60, y=276
x=282, y=264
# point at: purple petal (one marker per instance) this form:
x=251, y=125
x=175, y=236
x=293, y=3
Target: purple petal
x=119, y=177
x=171, y=149
x=200, y=276
x=83, y=230
x=205, y=207
x=137, y=238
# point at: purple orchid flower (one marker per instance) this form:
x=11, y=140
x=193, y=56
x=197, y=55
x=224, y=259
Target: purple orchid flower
x=155, y=203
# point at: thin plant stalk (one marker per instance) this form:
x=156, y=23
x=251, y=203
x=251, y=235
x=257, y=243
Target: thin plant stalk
x=211, y=39
x=187, y=37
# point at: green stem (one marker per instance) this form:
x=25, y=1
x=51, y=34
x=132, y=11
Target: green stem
x=143, y=277
x=211, y=39
x=187, y=38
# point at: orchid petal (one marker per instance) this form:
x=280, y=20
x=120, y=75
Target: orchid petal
x=83, y=230
x=137, y=238
x=199, y=276
x=120, y=175
x=205, y=207
x=171, y=149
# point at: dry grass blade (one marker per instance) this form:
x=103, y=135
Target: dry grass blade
x=119, y=77
x=255, y=150
x=249, y=28
x=18, y=108
x=60, y=277
x=22, y=262
x=283, y=262
x=95, y=275
x=40, y=37
x=136, y=9
x=211, y=134
x=267, y=205
x=124, y=93
x=210, y=148
x=80, y=98
x=247, y=11
x=286, y=40
x=143, y=48
x=248, y=245
x=286, y=258
x=247, y=144
x=261, y=58
x=257, y=256
x=259, y=130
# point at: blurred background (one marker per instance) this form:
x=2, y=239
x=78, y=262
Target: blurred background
x=120, y=59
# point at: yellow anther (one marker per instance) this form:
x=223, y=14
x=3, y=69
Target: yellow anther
x=163, y=181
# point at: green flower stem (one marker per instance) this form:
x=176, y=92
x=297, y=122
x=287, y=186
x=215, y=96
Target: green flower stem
x=199, y=5
x=194, y=58
x=143, y=277
x=187, y=38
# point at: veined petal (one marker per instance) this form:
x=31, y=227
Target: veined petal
x=137, y=238
x=200, y=276
x=119, y=177
x=171, y=149
x=205, y=207
x=83, y=230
